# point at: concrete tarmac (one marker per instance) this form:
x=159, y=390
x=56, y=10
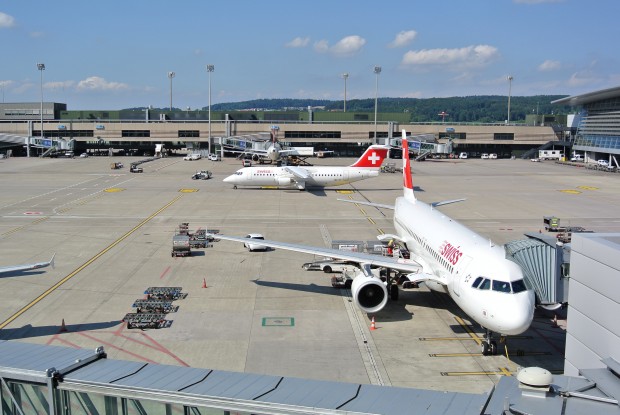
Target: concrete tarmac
x=260, y=312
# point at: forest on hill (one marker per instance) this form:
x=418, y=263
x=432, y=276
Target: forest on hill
x=483, y=108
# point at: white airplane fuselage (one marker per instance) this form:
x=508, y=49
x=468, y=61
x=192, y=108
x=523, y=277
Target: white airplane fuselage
x=457, y=257
x=320, y=176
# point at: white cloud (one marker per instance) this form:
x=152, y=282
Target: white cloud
x=582, y=78
x=347, y=46
x=403, y=39
x=549, y=65
x=470, y=56
x=96, y=83
x=59, y=84
x=6, y=21
x=298, y=42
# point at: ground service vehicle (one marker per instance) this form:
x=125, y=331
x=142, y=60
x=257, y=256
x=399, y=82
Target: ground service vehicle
x=463, y=155
x=135, y=169
x=214, y=157
x=181, y=246
x=202, y=175
x=550, y=154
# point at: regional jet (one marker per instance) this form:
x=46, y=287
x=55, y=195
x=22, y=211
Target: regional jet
x=27, y=267
x=446, y=256
x=368, y=165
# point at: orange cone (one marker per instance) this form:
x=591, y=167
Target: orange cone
x=204, y=283
x=372, y=324
x=63, y=327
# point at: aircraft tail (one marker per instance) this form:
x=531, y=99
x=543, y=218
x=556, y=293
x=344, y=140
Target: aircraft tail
x=372, y=157
x=407, y=180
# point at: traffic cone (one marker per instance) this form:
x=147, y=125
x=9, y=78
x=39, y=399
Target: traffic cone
x=204, y=283
x=63, y=327
x=372, y=324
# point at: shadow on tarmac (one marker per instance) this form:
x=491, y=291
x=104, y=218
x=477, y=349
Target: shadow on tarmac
x=29, y=330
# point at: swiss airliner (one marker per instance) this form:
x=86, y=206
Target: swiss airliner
x=447, y=257
x=367, y=166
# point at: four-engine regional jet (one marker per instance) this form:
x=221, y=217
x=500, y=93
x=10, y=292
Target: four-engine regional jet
x=27, y=267
x=368, y=165
x=446, y=256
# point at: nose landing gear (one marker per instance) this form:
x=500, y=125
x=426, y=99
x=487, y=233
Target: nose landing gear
x=489, y=346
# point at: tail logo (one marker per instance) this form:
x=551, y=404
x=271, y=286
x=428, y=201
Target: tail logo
x=374, y=158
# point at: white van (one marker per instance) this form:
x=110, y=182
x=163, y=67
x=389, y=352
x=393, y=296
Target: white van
x=463, y=155
x=192, y=156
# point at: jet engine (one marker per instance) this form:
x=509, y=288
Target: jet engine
x=255, y=157
x=369, y=293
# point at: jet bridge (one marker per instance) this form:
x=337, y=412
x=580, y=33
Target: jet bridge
x=545, y=267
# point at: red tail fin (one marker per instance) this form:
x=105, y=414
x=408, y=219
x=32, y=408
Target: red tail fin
x=407, y=180
x=372, y=157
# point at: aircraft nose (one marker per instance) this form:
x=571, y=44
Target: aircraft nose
x=230, y=179
x=521, y=320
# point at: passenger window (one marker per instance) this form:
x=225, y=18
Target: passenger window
x=486, y=284
x=477, y=282
x=501, y=286
x=518, y=286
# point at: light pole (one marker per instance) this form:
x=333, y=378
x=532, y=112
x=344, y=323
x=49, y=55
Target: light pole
x=510, y=78
x=171, y=75
x=345, y=76
x=210, y=68
x=377, y=71
x=40, y=67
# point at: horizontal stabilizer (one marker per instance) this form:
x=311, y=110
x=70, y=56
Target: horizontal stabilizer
x=377, y=205
x=446, y=202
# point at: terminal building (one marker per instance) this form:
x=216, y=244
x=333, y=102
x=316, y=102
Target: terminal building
x=345, y=134
x=597, y=124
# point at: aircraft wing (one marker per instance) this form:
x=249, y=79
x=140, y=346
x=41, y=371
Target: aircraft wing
x=299, y=172
x=404, y=265
x=26, y=267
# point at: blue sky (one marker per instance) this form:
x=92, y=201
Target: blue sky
x=117, y=54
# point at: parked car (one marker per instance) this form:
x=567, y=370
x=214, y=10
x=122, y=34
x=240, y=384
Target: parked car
x=493, y=156
x=535, y=160
x=192, y=156
x=214, y=157
x=484, y=156
x=603, y=163
x=253, y=246
x=463, y=155
x=576, y=157
x=84, y=155
x=247, y=163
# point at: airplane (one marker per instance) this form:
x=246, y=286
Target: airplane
x=447, y=257
x=274, y=152
x=368, y=165
x=27, y=267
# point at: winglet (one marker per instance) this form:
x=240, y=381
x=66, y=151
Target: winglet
x=407, y=180
x=52, y=260
x=372, y=158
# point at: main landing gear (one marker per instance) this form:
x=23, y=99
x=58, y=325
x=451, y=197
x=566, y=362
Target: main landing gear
x=488, y=345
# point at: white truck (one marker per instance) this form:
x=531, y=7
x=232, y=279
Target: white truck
x=550, y=154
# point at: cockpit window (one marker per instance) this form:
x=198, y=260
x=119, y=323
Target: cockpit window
x=486, y=284
x=477, y=282
x=501, y=286
x=518, y=286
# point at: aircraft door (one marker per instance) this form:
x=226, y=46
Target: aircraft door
x=460, y=276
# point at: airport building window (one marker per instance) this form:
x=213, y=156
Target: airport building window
x=503, y=136
x=457, y=136
x=312, y=134
x=136, y=133
x=189, y=133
